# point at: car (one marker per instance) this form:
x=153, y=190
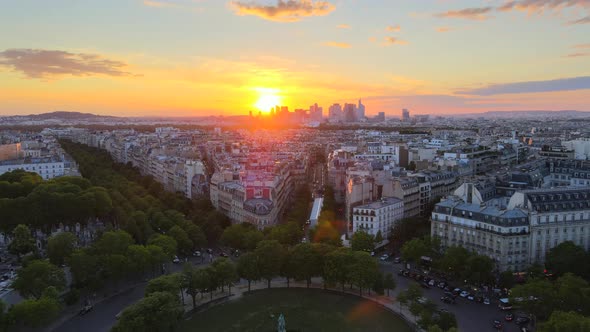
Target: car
x=222, y=254
x=372, y=254
x=197, y=253
x=464, y=294
x=422, y=300
x=470, y=297
x=209, y=251
x=486, y=301
x=384, y=257
x=397, y=260
x=497, y=324
x=509, y=317
x=402, y=272
x=441, y=285
x=424, y=285
x=522, y=320
x=432, y=282
x=176, y=260
x=478, y=299
x=86, y=309
x=447, y=299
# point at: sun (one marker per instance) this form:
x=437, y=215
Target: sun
x=268, y=99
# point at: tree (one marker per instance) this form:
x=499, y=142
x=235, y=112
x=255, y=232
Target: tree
x=414, y=249
x=114, y=243
x=408, y=229
x=379, y=284
x=167, y=243
x=364, y=270
x=566, y=321
x=139, y=258
x=379, y=237
x=158, y=312
x=506, y=280
x=169, y=283
x=157, y=256
x=568, y=257
x=270, y=255
x=248, y=267
x=196, y=235
x=35, y=312
x=60, y=247
x=234, y=236
x=389, y=283
x=446, y=320
x=34, y=278
x=305, y=261
x=338, y=265
x=190, y=282
x=362, y=241
x=83, y=267
x=185, y=245
x=22, y=241
x=478, y=269
x=454, y=260
x=528, y=296
x=225, y=272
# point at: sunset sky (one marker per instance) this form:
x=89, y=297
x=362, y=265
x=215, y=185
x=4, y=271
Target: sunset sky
x=222, y=57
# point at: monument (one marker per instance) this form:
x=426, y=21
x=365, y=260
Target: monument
x=282, y=324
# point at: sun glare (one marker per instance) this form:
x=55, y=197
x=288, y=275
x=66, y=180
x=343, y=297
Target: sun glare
x=268, y=99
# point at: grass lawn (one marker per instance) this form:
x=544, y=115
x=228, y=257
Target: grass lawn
x=304, y=310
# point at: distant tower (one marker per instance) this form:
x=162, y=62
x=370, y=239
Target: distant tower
x=360, y=111
x=405, y=115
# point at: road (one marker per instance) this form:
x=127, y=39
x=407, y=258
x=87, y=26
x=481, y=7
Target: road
x=471, y=316
x=102, y=317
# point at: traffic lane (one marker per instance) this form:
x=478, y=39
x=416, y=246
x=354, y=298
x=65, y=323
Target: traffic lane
x=102, y=317
x=471, y=316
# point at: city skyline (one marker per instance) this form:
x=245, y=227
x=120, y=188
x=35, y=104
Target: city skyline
x=203, y=57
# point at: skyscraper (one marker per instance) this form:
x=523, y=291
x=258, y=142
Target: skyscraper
x=335, y=113
x=405, y=115
x=316, y=113
x=360, y=111
x=350, y=113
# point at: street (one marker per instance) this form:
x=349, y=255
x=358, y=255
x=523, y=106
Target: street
x=471, y=316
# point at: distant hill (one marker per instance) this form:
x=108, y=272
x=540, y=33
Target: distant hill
x=527, y=114
x=68, y=116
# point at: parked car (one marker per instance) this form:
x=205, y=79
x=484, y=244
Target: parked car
x=402, y=273
x=470, y=297
x=432, y=282
x=486, y=301
x=197, y=253
x=424, y=285
x=464, y=294
x=509, y=317
x=384, y=257
x=86, y=309
x=176, y=260
x=447, y=299
x=522, y=320
x=209, y=250
x=222, y=254
x=497, y=324
x=397, y=260
x=441, y=285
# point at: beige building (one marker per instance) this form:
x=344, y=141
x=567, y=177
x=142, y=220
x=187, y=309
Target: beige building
x=11, y=151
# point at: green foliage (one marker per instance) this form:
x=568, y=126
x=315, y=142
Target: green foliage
x=287, y=234
x=414, y=249
x=379, y=284
x=566, y=321
x=167, y=243
x=364, y=270
x=271, y=256
x=113, y=243
x=568, y=258
x=60, y=247
x=22, y=241
x=248, y=267
x=408, y=229
x=362, y=241
x=72, y=297
x=84, y=267
x=34, y=278
x=34, y=312
x=225, y=272
x=169, y=283
x=338, y=266
x=304, y=262
x=158, y=312
x=185, y=245
x=389, y=282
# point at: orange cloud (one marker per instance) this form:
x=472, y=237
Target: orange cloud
x=343, y=26
x=540, y=6
x=443, y=29
x=478, y=14
x=337, y=44
x=576, y=55
x=584, y=20
x=37, y=63
x=581, y=46
x=393, y=41
x=284, y=10
x=391, y=28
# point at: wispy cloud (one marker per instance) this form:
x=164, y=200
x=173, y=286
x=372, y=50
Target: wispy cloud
x=478, y=14
x=284, y=10
x=36, y=63
x=387, y=41
x=443, y=29
x=541, y=6
x=337, y=44
x=562, y=84
x=578, y=46
x=343, y=26
x=184, y=4
x=393, y=28
x=576, y=55
x=584, y=20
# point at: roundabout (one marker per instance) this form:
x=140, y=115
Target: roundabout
x=303, y=310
